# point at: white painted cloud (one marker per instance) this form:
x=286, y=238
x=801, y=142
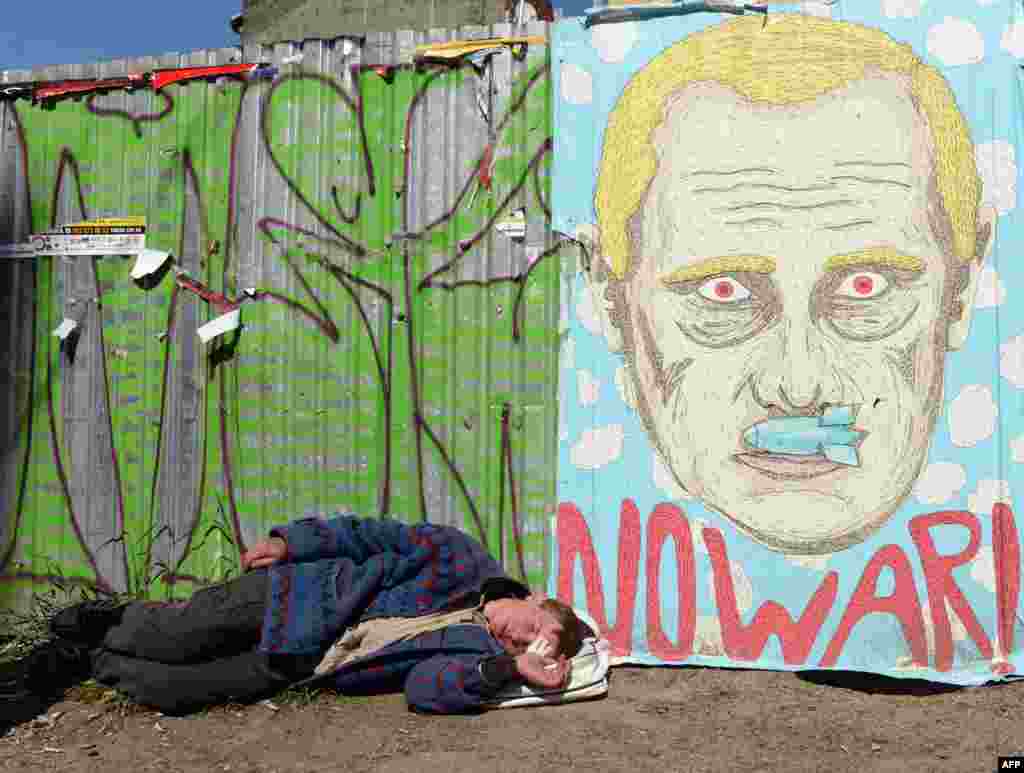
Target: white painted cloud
x=983, y=568
x=707, y=637
x=1013, y=39
x=822, y=8
x=1011, y=361
x=1017, y=449
x=955, y=42
x=740, y=583
x=664, y=481
x=991, y=290
x=902, y=9
x=939, y=483
x=997, y=165
x=585, y=311
x=613, y=42
x=957, y=628
x=577, y=85
x=597, y=447
x=589, y=387
x=814, y=563
x=972, y=416
x=624, y=386
x=568, y=354
x=697, y=526
x=988, y=492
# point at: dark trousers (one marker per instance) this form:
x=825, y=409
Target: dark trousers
x=179, y=656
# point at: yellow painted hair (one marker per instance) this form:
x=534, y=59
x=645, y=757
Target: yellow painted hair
x=793, y=59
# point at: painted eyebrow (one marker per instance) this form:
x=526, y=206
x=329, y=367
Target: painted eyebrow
x=729, y=264
x=886, y=257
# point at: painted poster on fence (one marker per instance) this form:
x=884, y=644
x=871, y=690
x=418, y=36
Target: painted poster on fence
x=792, y=376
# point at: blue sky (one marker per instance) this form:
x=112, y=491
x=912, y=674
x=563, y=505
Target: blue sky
x=48, y=32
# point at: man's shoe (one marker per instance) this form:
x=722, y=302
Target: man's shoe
x=50, y=667
x=88, y=622
x=31, y=684
x=19, y=704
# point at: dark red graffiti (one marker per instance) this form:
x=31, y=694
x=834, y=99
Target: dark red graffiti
x=216, y=292
x=136, y=119
x=340, y=241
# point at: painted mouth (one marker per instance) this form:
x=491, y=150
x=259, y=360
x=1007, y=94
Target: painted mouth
x=803, y=447
x=785, y=467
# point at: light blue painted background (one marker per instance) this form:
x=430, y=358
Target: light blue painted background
x=989, y=95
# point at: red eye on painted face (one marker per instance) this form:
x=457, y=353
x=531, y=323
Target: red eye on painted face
x=723, y=289
x=863, y=285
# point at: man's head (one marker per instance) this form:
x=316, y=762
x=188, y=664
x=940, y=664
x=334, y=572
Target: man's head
x=517, y=623
x=789, y=221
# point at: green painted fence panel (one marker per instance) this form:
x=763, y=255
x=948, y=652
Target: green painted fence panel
x=399, y=356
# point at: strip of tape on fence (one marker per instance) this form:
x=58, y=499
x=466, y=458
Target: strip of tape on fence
x=218, y=326
x=65, y=328
x=12, y=250
x=149, y=262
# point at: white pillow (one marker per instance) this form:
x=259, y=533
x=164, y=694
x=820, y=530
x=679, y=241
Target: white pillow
x=588, y=677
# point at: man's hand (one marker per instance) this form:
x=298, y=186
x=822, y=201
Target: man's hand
x=543, y=671
x=264, y=553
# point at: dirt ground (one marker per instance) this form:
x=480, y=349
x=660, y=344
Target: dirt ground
x=654, y=719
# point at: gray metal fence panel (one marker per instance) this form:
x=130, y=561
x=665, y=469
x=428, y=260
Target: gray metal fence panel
x=399, y=356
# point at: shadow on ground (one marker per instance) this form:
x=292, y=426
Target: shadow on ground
x=871, y=684
x=876, y=684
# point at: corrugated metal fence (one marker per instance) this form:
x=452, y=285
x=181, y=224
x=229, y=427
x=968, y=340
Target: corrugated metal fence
x=399, y=356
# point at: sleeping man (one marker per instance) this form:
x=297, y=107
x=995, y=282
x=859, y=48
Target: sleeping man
x=365, y=606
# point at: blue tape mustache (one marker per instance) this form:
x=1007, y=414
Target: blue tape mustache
x=832, y=435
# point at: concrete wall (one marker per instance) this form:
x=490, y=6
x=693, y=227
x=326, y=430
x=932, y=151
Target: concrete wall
x=268, y=21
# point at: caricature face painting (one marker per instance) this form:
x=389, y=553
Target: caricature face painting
x=784, y=264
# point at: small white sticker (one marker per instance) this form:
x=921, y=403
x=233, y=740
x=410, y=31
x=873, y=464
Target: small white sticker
x=225, y=323
x=514, y=226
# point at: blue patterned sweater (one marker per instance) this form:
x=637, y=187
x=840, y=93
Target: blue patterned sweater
x=342, y=571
